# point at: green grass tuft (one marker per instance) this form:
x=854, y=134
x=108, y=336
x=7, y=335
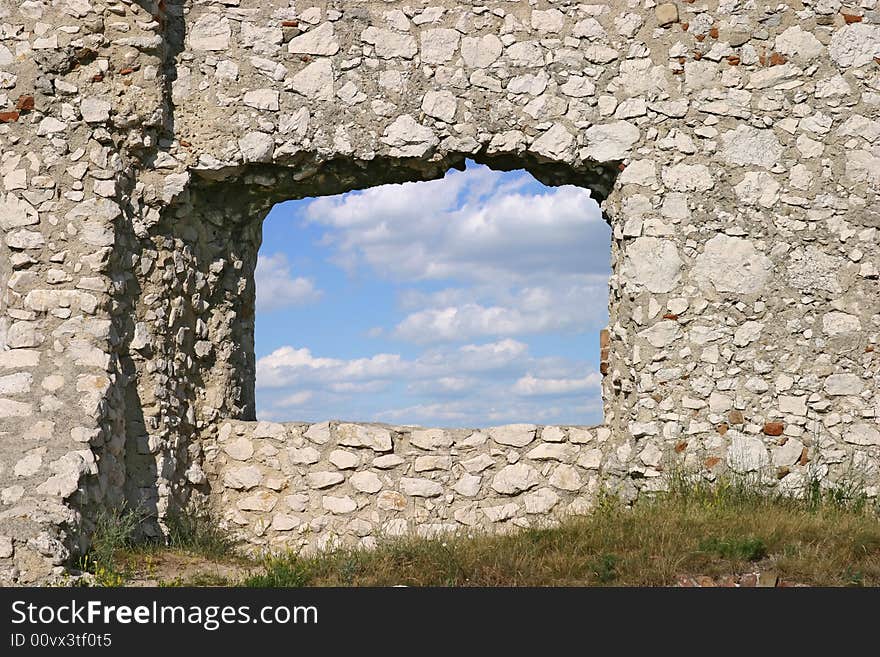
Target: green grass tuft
x=743, y=549
x=195, y=531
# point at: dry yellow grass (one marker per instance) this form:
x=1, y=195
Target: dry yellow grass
x=828, y=540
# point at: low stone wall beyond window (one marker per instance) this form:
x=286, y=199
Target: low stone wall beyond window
x=300, y=486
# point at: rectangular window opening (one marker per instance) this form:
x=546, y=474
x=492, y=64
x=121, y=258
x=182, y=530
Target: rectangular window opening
x=470, y=301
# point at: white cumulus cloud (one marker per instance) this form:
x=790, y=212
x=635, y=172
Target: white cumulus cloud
x=576, y=304
x=472, y=225
x=520, y=260
x=287, y=366
x=296, y=399
x=531, y=385
x=471, y=384
x=278, y=288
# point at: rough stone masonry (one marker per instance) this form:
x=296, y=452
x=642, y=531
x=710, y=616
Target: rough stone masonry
x=735, y=146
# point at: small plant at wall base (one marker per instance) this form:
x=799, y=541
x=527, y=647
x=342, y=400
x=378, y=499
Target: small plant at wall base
x=193, y=529
x=116, y=556
x=114, y=532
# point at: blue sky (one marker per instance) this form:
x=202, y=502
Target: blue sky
x=470, y=301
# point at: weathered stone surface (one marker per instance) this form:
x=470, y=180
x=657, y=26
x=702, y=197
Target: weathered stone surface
x=812, y=270
x=416, y=487
x=639, y=172
x=747, y=145
x=344, y=460
x=480, y=52
x=429, y=463
x=514, y=479
x=12, y=408
x=6, y=547
x=527, y=54
x=430, y=439
x=541, y=501
x=16, y=384
x=478, y=463
x=390, y=44
x=263, y=99
x=653, y=263
x=550, y=20
x=283, y=522
x=553, y=434
x=838, y=323
x=315, y=80
x=788, y=454
x=758, y=188
x=440, y=104
x=95, y=110
x=501, y=512
x=862, y=167
x=439, y=45
x=468, y=485
x=355, y=435
x=68, y=470
x=243, y=477
x=256, y=147
x=554, y=143
x=515, y=435
x=318, y=433
x=794, y=404
x=843, y=384
x=387, y=461
x=610, y=141
x=799, y=43
x=210, y=32
x=666, y=13
x=304, y=456
x=408, y=138
x=324, y=479
x=661, y=334
x=366, y=482
x=552, y=452
x=688, y=178
x=320, y=40
x=30, y=463
x=855, y=45
x=16, y=212
x=240, y=449
x=746, y=453
x=732, y=264
x=338, y=505
x=591, y=459
x=566, y=477
x=862, y=434
x=389, y=500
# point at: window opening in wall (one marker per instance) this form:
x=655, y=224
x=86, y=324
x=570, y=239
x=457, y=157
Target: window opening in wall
x=473, y=300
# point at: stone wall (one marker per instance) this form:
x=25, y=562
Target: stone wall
x=735, y=147
x=307, y=487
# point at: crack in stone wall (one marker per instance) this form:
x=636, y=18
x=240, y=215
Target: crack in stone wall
x=735, y=147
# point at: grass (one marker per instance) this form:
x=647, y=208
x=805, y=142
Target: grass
x=115, y=556
x=193, y=530
x=114, y=532
x=828, y=537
